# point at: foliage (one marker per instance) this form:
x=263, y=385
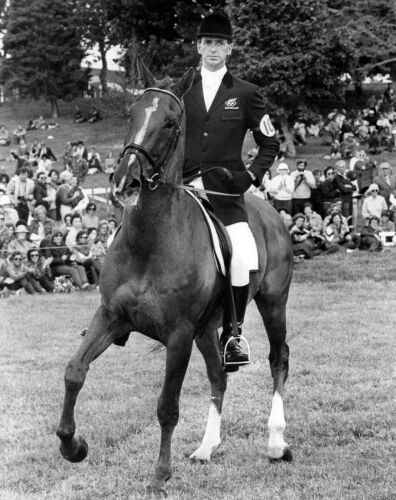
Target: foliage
x=371, y=25
x=289, y=49
x=43, y=48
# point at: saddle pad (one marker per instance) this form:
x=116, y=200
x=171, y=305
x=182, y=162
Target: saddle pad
x=219, y=259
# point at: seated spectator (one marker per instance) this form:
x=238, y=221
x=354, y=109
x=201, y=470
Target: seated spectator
x=7, y=235
x=286, y=217
x=109, y=163
x=90, y=219
x=39, y=273
x=281, y=188
x=52, y=187
x=374, y=143
x=38, y=124
x=337, y=236
x=11, y=215
x=18, y=134
x=4, y=136
x=94, y=115
x=40, y=192
x=369, y=236
x=67, y=224
x=44, y=165
x=64, y=262
x=78, y=116
x=68, y=196
x=113, y=224
x=37, y=225
x=386, y=224
x=76, y=226
x=20, y=242
x=80, y=151
x=46, y=151
x=94, y=161
x=17, y=273
x=97, y=248
x=4, y=177
x=34, y=151
x=301, y=238
x=3, y=275
x=103, y=231
x=84, y=257
x=373, y=204
x=312, y=221
x=365, y=172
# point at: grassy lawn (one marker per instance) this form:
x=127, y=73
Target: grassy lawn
x=339, y=406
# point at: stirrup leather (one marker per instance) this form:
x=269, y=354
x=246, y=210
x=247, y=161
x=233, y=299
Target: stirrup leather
x=239, y=338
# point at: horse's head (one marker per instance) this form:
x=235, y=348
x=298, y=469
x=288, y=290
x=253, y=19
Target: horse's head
x=154, y=127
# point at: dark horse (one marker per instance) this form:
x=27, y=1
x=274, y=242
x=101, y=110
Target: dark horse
x=159, y=278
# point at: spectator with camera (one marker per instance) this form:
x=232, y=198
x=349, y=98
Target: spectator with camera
x=303, y=244
x=281, y=187
x=304, y=181
x=20, y=189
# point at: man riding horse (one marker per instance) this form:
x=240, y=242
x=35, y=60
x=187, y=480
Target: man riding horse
x=220, y=108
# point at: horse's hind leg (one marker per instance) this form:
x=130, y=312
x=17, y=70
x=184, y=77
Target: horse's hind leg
x=208, y=344
x=273, y=312
x=97, y=339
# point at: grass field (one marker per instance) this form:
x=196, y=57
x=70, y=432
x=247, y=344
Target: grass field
x=339, y=401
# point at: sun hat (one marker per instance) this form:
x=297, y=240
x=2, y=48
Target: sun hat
x=373, y=187
x=21, y=229
x=5, y=200
x=282, y=166
x=384, y=165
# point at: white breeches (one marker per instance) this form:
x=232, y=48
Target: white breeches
x=244, y=250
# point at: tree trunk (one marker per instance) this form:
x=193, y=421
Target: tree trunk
x=103, y=71
x=54, y=108
x=288, y=133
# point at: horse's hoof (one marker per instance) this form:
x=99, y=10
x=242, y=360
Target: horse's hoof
x=79, y=451
x=158, y=492
x=286, y=457
x=198, y=460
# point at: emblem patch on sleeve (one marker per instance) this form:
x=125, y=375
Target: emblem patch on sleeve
x=266, y=126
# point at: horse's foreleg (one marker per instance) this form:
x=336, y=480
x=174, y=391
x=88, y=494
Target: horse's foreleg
x=274, y=316
x=208, y=344
x=177, y=358
x=97, y=339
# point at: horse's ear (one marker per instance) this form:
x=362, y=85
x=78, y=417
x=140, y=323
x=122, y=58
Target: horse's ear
x=146, y=75
x=183, y=85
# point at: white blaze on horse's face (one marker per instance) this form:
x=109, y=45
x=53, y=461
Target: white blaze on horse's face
x=140, y=134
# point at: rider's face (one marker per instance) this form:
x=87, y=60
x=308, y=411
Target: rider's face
x=214, y=52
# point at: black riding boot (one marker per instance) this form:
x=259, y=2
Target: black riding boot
x=234, y=353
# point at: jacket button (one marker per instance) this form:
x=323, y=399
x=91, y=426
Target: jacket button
x=206, y=134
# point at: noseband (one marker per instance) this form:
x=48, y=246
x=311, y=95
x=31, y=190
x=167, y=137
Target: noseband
x=158, y=166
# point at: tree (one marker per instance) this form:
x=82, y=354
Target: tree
x=289, y=49
x=371, y=26
x=96, y=30
x=43, y=50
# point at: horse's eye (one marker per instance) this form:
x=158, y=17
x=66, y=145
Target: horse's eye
x=170, y=124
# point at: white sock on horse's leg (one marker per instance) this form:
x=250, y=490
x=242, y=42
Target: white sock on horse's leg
x=211, y=439
x=276, y=427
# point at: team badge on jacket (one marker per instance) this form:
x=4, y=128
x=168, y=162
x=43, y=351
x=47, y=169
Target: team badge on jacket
x=231, y=103
x=266, y=126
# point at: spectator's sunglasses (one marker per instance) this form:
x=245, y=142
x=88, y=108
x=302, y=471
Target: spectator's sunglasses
x=17, y=258
x=34, y=255
x=330, y=173
x=84, y=236
x=92, y=208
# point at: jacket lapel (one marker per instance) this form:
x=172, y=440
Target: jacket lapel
x=223, y=92
x=196, y=91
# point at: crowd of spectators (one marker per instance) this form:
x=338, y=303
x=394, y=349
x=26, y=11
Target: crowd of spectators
x=49, y=228
x=345, y=208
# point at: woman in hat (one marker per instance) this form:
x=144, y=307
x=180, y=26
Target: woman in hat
x=17, y=273
x=20, y=242
x=373, y=204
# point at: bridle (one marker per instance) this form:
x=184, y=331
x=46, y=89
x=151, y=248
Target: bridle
x=159, y=164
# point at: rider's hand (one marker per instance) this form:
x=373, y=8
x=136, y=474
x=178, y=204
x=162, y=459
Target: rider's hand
x=240, y=182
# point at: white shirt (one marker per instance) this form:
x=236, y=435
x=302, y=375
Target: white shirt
x=211, y=81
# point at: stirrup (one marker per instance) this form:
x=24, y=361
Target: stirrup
x=240, y=339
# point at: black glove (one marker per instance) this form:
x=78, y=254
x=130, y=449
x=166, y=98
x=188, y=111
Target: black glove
x=240, y=182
